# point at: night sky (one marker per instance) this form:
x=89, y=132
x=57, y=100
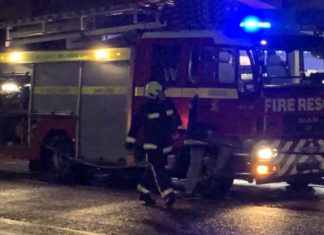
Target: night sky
x=14, y=9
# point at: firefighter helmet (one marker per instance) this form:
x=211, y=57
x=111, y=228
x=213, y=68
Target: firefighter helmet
x=153, y=89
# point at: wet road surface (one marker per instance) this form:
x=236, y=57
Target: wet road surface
x=33, y=207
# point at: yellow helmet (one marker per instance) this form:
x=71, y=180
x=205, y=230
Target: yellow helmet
x=153, y=89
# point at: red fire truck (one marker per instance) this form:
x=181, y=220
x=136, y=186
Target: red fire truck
x=269, y=99
x=74, y=106
x=64, y=104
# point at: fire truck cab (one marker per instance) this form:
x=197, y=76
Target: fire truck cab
x=265, y=98
x=291, y=108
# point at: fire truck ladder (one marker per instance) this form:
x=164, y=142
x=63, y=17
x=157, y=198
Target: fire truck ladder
x=81, y=24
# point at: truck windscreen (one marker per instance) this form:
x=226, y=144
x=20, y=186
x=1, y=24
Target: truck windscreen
x=298, y=67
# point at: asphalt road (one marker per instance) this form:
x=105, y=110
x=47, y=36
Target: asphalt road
x=29, y=206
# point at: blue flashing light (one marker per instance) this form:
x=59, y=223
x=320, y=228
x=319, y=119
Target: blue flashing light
x=253, y=24
x=263, y=42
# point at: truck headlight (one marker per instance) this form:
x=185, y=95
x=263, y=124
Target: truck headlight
x=10, y=87
x=266, y=153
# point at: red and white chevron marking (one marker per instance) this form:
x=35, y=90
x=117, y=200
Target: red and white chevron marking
x=291, y=153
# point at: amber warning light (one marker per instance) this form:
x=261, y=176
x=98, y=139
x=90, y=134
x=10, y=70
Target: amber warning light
x=100, y=55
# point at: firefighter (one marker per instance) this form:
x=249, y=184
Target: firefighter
x=160, y=120
x=199, y=137
x=196, y=133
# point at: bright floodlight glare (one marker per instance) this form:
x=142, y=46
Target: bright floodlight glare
x=101, y=54
x=253, y=24
x=15, y=57
x=10, y=87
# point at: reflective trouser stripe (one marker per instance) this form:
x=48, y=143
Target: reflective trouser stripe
x=181, y=127
x=166, y=192
x=150, y=146
x=153, y=115
x=169, y=112
x=171, y=159
x=195, y=142
x=142, y=189
x=130, y=139
x=155, y=179
x=167, y=149
x=154, y=146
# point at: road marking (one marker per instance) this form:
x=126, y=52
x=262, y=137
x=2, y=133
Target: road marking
x=17, y=222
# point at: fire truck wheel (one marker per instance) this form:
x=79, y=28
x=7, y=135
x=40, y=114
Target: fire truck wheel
x=215, y=187
x=56, y=155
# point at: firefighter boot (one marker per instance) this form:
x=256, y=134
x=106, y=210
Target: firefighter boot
x=147, y=199
x=170, y=199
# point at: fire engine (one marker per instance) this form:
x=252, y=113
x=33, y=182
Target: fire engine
x=71, y=108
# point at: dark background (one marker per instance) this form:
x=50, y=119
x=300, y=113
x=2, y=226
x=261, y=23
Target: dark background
x=20, y=9
x=14, y=9
x=306, y=12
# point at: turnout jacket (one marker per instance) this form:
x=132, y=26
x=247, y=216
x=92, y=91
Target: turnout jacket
x=159, y=120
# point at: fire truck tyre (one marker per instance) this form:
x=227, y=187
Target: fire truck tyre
x=57, y=152
x=298, y=184
x=215, y=187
